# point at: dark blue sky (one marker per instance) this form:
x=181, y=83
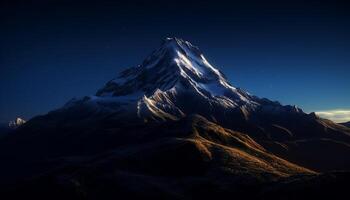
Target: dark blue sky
x=296, y=52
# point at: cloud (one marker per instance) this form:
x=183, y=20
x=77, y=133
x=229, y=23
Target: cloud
x=335, y=115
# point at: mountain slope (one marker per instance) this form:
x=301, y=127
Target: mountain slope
x=187, y=159
x=174, y=157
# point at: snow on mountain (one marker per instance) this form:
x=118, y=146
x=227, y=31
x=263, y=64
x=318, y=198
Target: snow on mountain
x=175, y=64
x=6, y=128
x=175, y=80
x=16, y=123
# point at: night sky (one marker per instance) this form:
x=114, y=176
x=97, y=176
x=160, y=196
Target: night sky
x=51, y=51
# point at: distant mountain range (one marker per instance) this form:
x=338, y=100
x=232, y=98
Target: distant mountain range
x=6, y=128
x=347, y=124
x=175, y=128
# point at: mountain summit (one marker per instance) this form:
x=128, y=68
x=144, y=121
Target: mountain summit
x=177, y=80
x=178, y=65
x=16, y=123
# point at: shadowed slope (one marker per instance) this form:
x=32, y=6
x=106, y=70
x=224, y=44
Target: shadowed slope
x=191, y=151
x=186, y=143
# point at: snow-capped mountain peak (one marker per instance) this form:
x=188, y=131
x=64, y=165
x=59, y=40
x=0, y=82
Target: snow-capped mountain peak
x=175, y=62
x=188, y=57
x=16, y=123
x=173, y=81
x=172, y=74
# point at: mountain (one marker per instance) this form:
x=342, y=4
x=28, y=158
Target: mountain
x=16, y=123
x=174, y=128
x=347, y=124
x=176, y=80
x=6, y=128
